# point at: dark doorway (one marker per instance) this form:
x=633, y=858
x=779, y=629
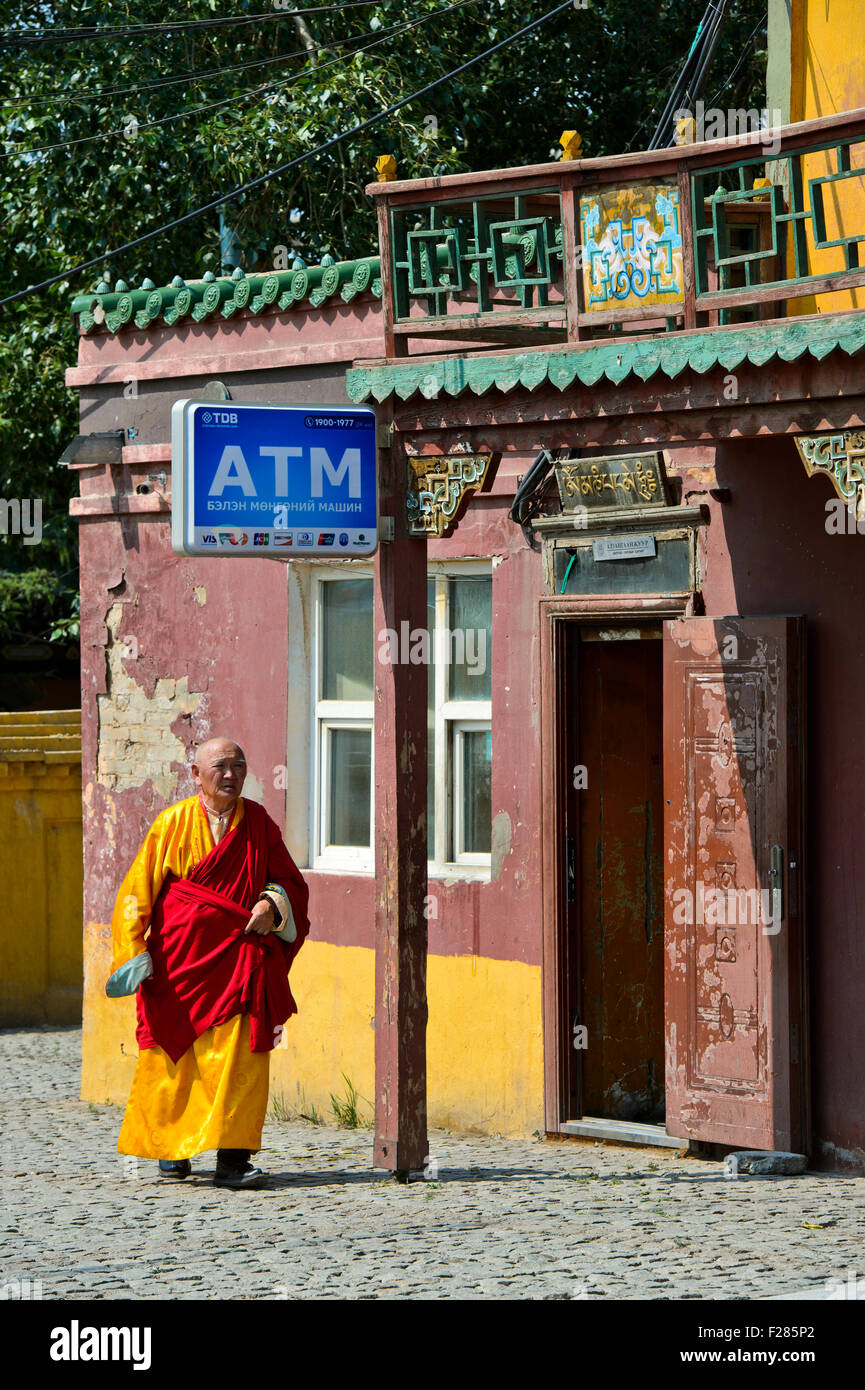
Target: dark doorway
x=616, y=824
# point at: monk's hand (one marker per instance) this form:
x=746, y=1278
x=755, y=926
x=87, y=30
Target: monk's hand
x=263, y=919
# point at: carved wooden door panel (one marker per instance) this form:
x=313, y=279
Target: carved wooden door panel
x=735, y=981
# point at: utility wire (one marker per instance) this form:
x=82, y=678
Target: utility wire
x=290, y=164
x=62, y=96
x=132, y=132
x=749, y=43
x=693, y=74
x=645, y=121
x=27, y=37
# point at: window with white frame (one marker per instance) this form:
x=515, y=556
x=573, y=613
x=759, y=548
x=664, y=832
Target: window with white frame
x=459, y=808
x=459, y=739
x=343, y=679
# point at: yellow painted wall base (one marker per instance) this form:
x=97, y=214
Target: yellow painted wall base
x=40, y=821
x=108, y=1047
x=484, y=1041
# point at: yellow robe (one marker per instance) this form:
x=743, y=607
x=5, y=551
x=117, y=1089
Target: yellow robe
x=215, y=1096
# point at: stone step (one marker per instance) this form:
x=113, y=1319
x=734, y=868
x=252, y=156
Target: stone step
x=40, y=717
x=40, y=755
x=623, y=1132
x=33, y=743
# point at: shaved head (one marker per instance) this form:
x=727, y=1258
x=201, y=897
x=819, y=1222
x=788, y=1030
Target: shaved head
x=215, y=748
x=219, y=771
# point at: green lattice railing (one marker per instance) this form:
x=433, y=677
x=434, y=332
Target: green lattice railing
x=795, y=216
x=481, y=255
x=658, y=241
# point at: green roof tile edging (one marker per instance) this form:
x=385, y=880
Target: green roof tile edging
x=209, y=297
x=615, y=360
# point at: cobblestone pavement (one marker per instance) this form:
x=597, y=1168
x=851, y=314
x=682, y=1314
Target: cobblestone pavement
x=506, y=1218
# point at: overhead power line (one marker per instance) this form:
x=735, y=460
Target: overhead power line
x=236, y=97
x=27, y=37
x=63, y=96
x=749, y=43
x=290, y=164
x=693, y=74
x=670, y=106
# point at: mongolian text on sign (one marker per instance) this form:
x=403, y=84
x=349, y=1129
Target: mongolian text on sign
x=617, y=480
x=273, y=480
x=624, y=548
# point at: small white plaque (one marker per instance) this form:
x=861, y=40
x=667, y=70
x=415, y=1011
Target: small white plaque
x=624, y=548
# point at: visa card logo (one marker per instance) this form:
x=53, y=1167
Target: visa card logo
x=208, y=539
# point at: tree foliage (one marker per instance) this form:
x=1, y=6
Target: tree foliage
x=31, y=603
x=125, y=154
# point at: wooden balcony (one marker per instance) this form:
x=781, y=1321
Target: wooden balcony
x=714, y=234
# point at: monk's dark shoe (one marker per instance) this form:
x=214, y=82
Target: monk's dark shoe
x=247, y=1176
x=175, y=1168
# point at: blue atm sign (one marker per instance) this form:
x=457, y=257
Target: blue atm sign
x=273, y=480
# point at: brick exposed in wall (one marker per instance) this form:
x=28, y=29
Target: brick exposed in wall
x=135, y=741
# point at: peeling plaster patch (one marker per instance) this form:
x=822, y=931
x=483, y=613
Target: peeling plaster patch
x=253, y=788
x=134, y=740
x=501, y=844
x=199, y=593
x=498, y=560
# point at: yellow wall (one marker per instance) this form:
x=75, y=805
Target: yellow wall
x=40, y=821
x=827, y=66
x=484, y=1053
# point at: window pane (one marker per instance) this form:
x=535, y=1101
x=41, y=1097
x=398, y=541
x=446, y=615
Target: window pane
x=347, y=640
x=477, y=802
x=468, y=643
x=349, y=790
x=431, y=722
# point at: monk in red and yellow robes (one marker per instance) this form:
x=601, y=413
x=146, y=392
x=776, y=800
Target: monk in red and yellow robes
x=205, y=929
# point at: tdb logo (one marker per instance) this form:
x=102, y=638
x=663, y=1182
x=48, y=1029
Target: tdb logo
x=219, y=417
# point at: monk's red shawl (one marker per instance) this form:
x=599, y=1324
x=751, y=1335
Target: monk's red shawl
x=205, y=969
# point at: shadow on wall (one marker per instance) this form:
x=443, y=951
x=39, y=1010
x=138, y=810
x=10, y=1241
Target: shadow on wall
x=788, y=558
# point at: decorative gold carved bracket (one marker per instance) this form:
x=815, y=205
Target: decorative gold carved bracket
x=438, y=484
x=840, y=456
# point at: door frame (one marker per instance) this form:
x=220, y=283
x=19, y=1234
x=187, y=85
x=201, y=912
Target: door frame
x=558, y=615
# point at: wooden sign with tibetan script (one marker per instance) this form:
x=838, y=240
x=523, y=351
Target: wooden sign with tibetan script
x=438, y=485
x=617, y=480
x=632, y=247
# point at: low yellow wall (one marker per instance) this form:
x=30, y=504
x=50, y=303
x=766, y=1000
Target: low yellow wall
x=40, y=822
x=484, y=1040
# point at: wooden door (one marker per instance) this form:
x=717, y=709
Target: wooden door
x=735, y=981
x=620, y=878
